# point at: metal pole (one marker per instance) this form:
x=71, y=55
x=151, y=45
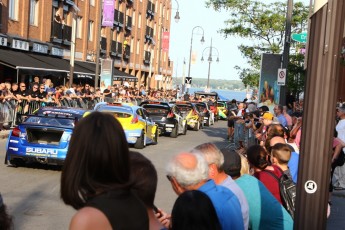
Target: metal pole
x=150, y=70
x=190, y=53
x=176, y=80
x=160, y=51
x=72, y=53
x=286, y=52
x=191, y=45
x=183, y=75
x=98, y=45
x=209, y=66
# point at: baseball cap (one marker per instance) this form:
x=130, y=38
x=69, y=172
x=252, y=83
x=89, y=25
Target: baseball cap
x=264, y=108
x=232, y=162
x=268, y=116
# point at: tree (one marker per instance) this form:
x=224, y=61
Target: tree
x=263, y=27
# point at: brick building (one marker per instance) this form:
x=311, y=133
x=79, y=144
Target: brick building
x=36, y=39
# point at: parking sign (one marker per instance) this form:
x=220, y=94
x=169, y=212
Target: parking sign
x=281, y=77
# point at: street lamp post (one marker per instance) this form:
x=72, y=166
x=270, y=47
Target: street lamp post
x=209, y=61
x=98, y=45
x=191, y=47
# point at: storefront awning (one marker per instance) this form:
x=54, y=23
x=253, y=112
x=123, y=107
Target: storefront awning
x=29, y=63
x=122, y=76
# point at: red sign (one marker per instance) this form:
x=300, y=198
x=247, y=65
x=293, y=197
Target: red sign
x=165, y=41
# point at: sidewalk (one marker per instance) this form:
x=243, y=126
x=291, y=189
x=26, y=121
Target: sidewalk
x=336, y=220
x=4, y=133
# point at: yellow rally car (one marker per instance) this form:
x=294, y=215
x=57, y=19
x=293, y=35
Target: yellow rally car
x=139, y=128
x=222, y=110
x=191, y=114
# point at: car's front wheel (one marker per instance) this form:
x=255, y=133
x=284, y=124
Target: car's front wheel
x=174, y=132
x=155, y=139
x=197, y=126
x=185, y=129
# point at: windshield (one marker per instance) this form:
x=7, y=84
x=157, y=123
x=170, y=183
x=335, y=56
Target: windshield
x=156, y=110
x=53, y=121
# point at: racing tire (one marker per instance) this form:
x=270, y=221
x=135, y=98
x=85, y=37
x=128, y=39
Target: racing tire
x=185, y=129
x=174, y=132
x=140, y=143
x=17, y=163
x=155, y=139
x=208, y=122
x=197, y=126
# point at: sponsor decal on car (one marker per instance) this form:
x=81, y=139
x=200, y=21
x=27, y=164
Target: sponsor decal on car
x=40, y=151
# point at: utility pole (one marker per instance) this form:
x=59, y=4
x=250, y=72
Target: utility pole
x=323, y=73
x=286, y=52
x=98, y=45
x=184, y=76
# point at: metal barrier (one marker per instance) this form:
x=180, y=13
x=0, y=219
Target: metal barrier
x=11, y=111
x=244, y=135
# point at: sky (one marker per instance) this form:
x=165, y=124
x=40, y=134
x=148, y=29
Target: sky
x=194, y=13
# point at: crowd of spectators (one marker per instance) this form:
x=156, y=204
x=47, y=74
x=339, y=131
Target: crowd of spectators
x=47, y=92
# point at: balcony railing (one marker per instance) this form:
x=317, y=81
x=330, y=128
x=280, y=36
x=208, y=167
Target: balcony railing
x=147, y=57
x=67, y=34
x=127, y=53
x=129, y=23
x=56, y=32
x=103, y=45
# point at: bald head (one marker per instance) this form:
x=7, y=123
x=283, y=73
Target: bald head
x=276, y=140
x=188, y=168
x=187, y=160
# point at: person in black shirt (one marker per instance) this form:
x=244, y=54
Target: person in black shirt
x=42, y=95
x=33, y=95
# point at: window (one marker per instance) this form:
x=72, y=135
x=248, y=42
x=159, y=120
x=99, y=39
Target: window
x=133, y=18
x=90, y=33
x=79, y=27
x=139, y=21
x=13, y=9
x=132, y=45
x=34, y=12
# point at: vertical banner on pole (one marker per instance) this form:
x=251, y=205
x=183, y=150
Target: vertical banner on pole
x=165, y=41
x=108, y=13
x=106, y=73
x=269, y=90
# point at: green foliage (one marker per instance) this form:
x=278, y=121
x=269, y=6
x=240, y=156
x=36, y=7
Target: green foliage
x=263, y=27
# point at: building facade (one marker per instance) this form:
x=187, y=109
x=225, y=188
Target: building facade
x=39, y=33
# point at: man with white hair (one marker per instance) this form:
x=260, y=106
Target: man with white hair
x=189, y=171
x=215, y=160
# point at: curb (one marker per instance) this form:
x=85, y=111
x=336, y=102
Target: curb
x=4, y=135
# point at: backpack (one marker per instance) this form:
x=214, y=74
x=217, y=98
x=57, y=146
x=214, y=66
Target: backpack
x=287, y=191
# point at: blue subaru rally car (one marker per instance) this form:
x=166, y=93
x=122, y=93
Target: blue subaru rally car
x=43, y=137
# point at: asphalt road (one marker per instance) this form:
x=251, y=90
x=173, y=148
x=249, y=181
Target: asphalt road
x=32, y=194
